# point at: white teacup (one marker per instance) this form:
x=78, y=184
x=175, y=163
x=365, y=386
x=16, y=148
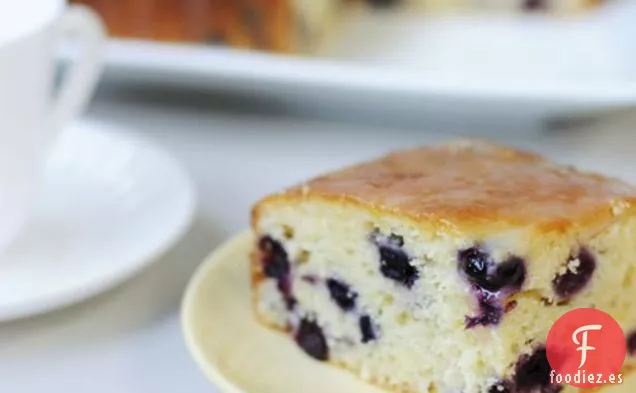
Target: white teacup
x=31, y=113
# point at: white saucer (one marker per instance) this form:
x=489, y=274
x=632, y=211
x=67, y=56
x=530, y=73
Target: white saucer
x=236, y=353
x=109, y=205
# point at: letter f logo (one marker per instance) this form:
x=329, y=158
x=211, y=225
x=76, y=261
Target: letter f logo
x=583, y=344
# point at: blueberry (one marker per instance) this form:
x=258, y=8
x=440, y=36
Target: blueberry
x=312, y=340
x=284, y=286
x=276, y=265
x=571, y=282
x=274, y=258
x=482, y=271
x=342, y=294
x=366, y=329
x=631, y=344
x=490, y=312
x=532, y=373
x=510, y=273
x=489, y=278
x=475, y=263
x=395, y=264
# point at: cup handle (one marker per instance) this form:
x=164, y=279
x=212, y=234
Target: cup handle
x=81, y=23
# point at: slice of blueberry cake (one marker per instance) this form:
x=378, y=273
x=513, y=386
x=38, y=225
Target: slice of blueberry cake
x=441, y=269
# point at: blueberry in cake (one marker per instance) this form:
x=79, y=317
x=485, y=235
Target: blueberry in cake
x=441, y=269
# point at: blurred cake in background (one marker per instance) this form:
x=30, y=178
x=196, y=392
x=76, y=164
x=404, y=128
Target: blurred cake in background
x=558, y=7
x=278, y=25
x=275, y=25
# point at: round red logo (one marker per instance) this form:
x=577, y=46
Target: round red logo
x=586, y=348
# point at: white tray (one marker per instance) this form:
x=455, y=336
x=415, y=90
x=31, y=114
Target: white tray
x=533, y=65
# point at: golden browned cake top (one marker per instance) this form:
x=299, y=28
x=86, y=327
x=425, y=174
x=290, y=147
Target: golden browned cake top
x=472, y=182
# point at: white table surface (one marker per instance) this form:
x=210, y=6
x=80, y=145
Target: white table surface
x=129, y=340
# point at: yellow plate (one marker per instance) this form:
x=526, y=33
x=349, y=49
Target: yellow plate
x=236, y=353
